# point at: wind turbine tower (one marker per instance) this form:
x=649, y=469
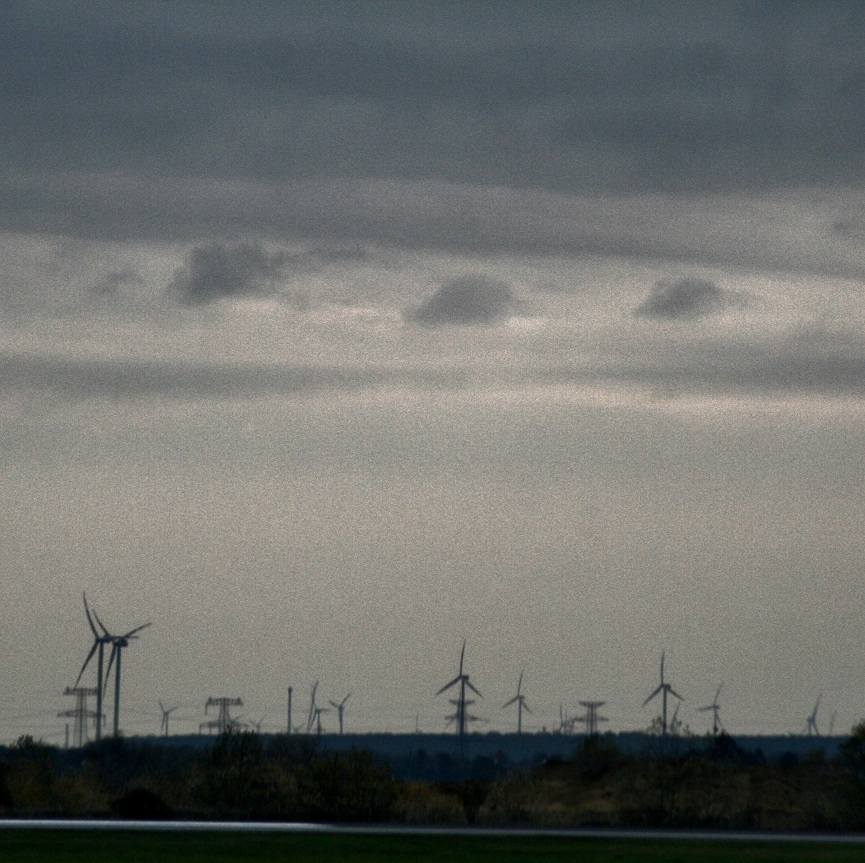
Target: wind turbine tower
x=340, y=709
x=462, y=681
x=520, y=700
x=288, y=731
x=664, y=689
x=118, y=643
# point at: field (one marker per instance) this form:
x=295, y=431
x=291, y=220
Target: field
x=66, y=846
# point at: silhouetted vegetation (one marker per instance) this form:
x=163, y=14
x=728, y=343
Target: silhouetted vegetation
x=711, y=783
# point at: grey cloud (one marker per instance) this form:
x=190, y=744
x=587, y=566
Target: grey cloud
x=111, y=283
x=466, y=300
x=350, y=214
x=129, y=379
x=217, y=271
x=686, y=299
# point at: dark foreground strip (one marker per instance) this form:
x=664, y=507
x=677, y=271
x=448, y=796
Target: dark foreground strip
x=385, y=830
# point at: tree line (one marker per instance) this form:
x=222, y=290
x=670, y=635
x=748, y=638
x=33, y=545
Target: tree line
x=243, y=776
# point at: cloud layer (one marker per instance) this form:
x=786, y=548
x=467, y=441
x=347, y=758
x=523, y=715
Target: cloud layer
x=637, y=132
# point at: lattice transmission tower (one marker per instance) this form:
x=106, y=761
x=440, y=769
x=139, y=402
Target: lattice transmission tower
x=80, y=713
x=223, y=721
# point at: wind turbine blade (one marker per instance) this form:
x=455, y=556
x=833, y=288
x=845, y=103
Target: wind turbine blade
x=131, y=633
x=333, y=703
x=462, y=656
x=345, y=699
x=449, y=685
x=509, y=703
x=652, y=695
x=89, y=657
x=102, y=626
x=473, y=687
x=520, y=681
x=526, y=708
x=718, y=693
x=662, y=666
x=673, y=692
x=89, y=618
x=114, y=650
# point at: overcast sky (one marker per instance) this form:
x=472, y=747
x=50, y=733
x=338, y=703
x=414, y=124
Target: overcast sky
x=332, y=334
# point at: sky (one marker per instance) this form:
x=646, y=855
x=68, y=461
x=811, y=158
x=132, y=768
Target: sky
x=334, y=334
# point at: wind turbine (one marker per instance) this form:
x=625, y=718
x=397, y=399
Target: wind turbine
x=99, y=642
x=462, y=680
x=520, y=701
x=811, y=726
x=317, y=717
x=166, y=712
x=118, y=642
x=311, y=716
x=674, y=722
x=715, y=708
x=663, y=689
x=340, y=709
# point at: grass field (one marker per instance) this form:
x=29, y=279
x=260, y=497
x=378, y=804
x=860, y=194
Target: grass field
x=66, y=846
